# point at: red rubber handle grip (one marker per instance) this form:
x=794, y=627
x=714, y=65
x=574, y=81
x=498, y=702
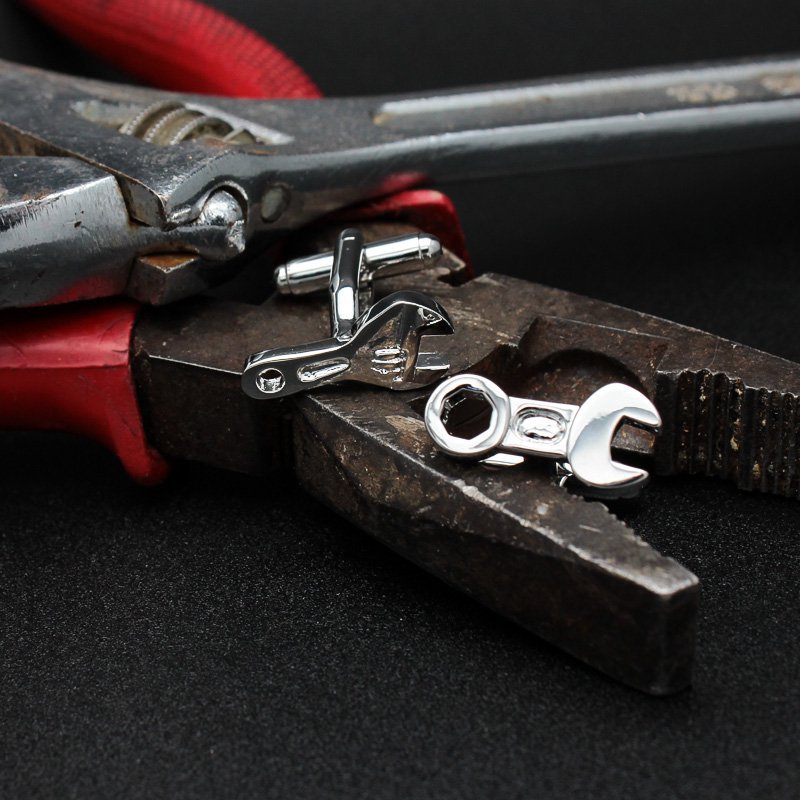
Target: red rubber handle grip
x=181, y=45
x=68, y=368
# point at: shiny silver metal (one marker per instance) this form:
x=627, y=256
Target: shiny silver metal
x=343, y=287
x=381, y=259
x=381, y=347
x=579, y=437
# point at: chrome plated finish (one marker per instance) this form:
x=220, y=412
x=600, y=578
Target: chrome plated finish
x=385, y=351
x=382, y=259
x=344, y=284
x=579, y=437
x=381, y=347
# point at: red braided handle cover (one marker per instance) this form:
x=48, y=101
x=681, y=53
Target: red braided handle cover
x=181, y=45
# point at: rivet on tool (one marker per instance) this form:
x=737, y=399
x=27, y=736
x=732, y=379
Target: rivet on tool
x=274, y=202
x=578, y=437
x=381, y=347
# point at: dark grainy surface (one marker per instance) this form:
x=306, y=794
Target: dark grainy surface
x=222, y=638
x=218, y=638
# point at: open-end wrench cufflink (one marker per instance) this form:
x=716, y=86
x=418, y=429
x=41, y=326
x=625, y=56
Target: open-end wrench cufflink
x=381, y=347
x=579, y=437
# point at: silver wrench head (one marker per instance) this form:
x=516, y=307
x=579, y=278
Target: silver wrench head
x=390, y=340
x=385, y=351
x=592, y=430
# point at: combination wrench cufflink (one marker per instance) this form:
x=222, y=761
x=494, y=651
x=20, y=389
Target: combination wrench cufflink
x=381, y=347
x=578, y=437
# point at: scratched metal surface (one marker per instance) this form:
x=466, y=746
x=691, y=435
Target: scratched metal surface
x=218, y=637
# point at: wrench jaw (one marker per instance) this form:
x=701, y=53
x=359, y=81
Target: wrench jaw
x=393, y=334
x=591, y=433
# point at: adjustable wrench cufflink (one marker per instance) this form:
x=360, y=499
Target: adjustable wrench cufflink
x=382, y=347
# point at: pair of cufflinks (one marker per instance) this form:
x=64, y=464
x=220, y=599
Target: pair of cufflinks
x=385, y=344
x=380, y=344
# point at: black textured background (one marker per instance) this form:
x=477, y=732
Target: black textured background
x=219, y=637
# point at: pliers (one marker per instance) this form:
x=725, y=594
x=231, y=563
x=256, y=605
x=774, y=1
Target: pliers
x=562, y=567
x=173, y=188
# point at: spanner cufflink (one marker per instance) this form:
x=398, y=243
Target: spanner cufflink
x=381, y=347
x=578, y=437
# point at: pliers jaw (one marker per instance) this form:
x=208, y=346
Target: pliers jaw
x=562, y=567
x=565, y=568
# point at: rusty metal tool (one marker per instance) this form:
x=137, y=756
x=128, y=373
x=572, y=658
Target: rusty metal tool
x=559, y=565
x=108, y=189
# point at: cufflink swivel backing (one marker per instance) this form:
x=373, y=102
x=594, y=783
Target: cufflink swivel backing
x=381, y=347
x=382, y=259
x=577, y=437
